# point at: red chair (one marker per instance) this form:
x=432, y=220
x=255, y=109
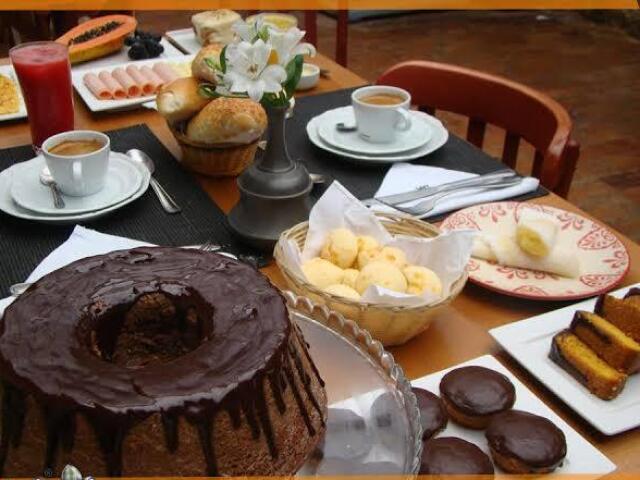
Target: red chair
x=522, y=112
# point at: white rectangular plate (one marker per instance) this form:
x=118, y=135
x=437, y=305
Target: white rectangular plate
x=96, y=105
x=529, y=342
x=582, y=457
x=186, y=38
x=7, y=71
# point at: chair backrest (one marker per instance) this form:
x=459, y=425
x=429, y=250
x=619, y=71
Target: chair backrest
x=521, y=111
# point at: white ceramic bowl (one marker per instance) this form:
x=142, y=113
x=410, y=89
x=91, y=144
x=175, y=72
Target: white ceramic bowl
x=310, y=76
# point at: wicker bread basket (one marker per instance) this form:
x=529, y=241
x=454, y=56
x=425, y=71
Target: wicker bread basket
x=391, y=325
x=214, y=161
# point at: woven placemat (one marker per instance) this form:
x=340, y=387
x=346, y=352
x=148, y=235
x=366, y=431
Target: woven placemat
x=23, y=244
x=364, y=181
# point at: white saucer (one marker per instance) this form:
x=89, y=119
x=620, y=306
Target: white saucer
x=439, y=137
x=123, y=180
x=418, y=134
x=8, y=206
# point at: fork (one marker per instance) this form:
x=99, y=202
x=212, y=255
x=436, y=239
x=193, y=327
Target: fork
x=429, y=204
x=251, y=260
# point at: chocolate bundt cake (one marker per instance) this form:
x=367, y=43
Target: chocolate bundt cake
x=156, y=362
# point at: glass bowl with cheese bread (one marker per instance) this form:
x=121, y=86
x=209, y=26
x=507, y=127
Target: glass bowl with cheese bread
x=390, y=273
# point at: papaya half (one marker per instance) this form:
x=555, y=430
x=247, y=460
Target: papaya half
x=97, y=37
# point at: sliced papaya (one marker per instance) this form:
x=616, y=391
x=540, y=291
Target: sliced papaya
x=98, y=37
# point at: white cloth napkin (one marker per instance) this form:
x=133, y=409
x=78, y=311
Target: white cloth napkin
x=82, y=243
x=404, y=177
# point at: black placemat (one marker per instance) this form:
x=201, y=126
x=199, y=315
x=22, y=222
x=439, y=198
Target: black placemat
x=23, y=244
x=364, y=181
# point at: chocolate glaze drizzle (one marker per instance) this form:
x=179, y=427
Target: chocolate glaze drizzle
x=64, y=331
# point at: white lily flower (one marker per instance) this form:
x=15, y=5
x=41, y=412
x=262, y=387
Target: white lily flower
x=245, y=32
x=248, y=71
x=287, y=44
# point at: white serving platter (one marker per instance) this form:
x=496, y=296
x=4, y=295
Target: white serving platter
x=529, y=341
x=582, y=457
x=186, y=38
x=96, y=105
x=8, y=71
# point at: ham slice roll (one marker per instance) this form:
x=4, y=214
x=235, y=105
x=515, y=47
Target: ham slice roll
x=155, y=81
x=165, y=72
x=129, y=84
x=142, y=81
x=97, y=87
x=112, y=85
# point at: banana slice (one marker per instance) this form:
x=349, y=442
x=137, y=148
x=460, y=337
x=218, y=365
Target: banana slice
x=536, y=233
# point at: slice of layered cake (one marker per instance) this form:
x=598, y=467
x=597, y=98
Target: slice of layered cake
x=607, y=341
x=623, y=313
x=575, y=357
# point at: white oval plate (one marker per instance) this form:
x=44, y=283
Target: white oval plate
x=8, y=206
x=123, y=180
x=439, y=137
x=418, y=134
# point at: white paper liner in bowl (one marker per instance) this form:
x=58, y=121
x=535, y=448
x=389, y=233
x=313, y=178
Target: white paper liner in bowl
x=447, y=254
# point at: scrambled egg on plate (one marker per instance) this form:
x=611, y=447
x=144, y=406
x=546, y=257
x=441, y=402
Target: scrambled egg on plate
x=9, y=101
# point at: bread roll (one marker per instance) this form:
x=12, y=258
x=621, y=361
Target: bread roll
x=180, y=100
x=228, y=121
x=199, y=67
x=214, y=26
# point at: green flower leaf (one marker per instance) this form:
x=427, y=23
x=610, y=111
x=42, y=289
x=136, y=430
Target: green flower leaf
x=223, y=60
x=294, y=72
x=211, y=63
x=208, y=90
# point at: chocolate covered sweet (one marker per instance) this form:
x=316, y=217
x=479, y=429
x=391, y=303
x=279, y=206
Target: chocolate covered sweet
x=454, y=456
x=156, y=362
x=522, y=442
x=472, y=395
x=433, y=416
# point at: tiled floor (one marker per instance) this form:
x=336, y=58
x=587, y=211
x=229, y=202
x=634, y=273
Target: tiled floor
x=592, y=69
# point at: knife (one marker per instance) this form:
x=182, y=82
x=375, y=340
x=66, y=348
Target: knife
x=426, y=191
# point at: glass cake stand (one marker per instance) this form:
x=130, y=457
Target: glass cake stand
x=373, y=424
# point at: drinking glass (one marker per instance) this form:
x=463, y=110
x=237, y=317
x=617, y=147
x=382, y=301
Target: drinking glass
x=44, y=74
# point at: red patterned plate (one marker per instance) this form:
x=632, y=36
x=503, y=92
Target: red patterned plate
x=604, y=259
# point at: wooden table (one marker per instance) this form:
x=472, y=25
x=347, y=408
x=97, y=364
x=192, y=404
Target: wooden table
x=459, y=333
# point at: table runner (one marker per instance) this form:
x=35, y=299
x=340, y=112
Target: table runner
x=363, y=181
x=23, y=244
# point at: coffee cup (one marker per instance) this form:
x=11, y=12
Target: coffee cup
x=381, y=112
x=78, y=161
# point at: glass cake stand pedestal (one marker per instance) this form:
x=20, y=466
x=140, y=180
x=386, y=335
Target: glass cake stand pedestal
x=373, y=424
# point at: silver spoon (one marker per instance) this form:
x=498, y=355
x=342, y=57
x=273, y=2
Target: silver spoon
x=168, y=203
x=318, y=178
x=18, y=289
x=341, y=127
x=47, y=180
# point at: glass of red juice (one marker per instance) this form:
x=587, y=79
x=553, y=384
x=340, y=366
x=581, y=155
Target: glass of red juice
x=44, y=73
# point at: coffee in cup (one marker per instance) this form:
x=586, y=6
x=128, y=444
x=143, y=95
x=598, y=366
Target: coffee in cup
x=78, y=161
x=381, y=112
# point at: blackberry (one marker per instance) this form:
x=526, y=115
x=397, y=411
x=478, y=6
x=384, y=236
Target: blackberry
x=138, y=52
